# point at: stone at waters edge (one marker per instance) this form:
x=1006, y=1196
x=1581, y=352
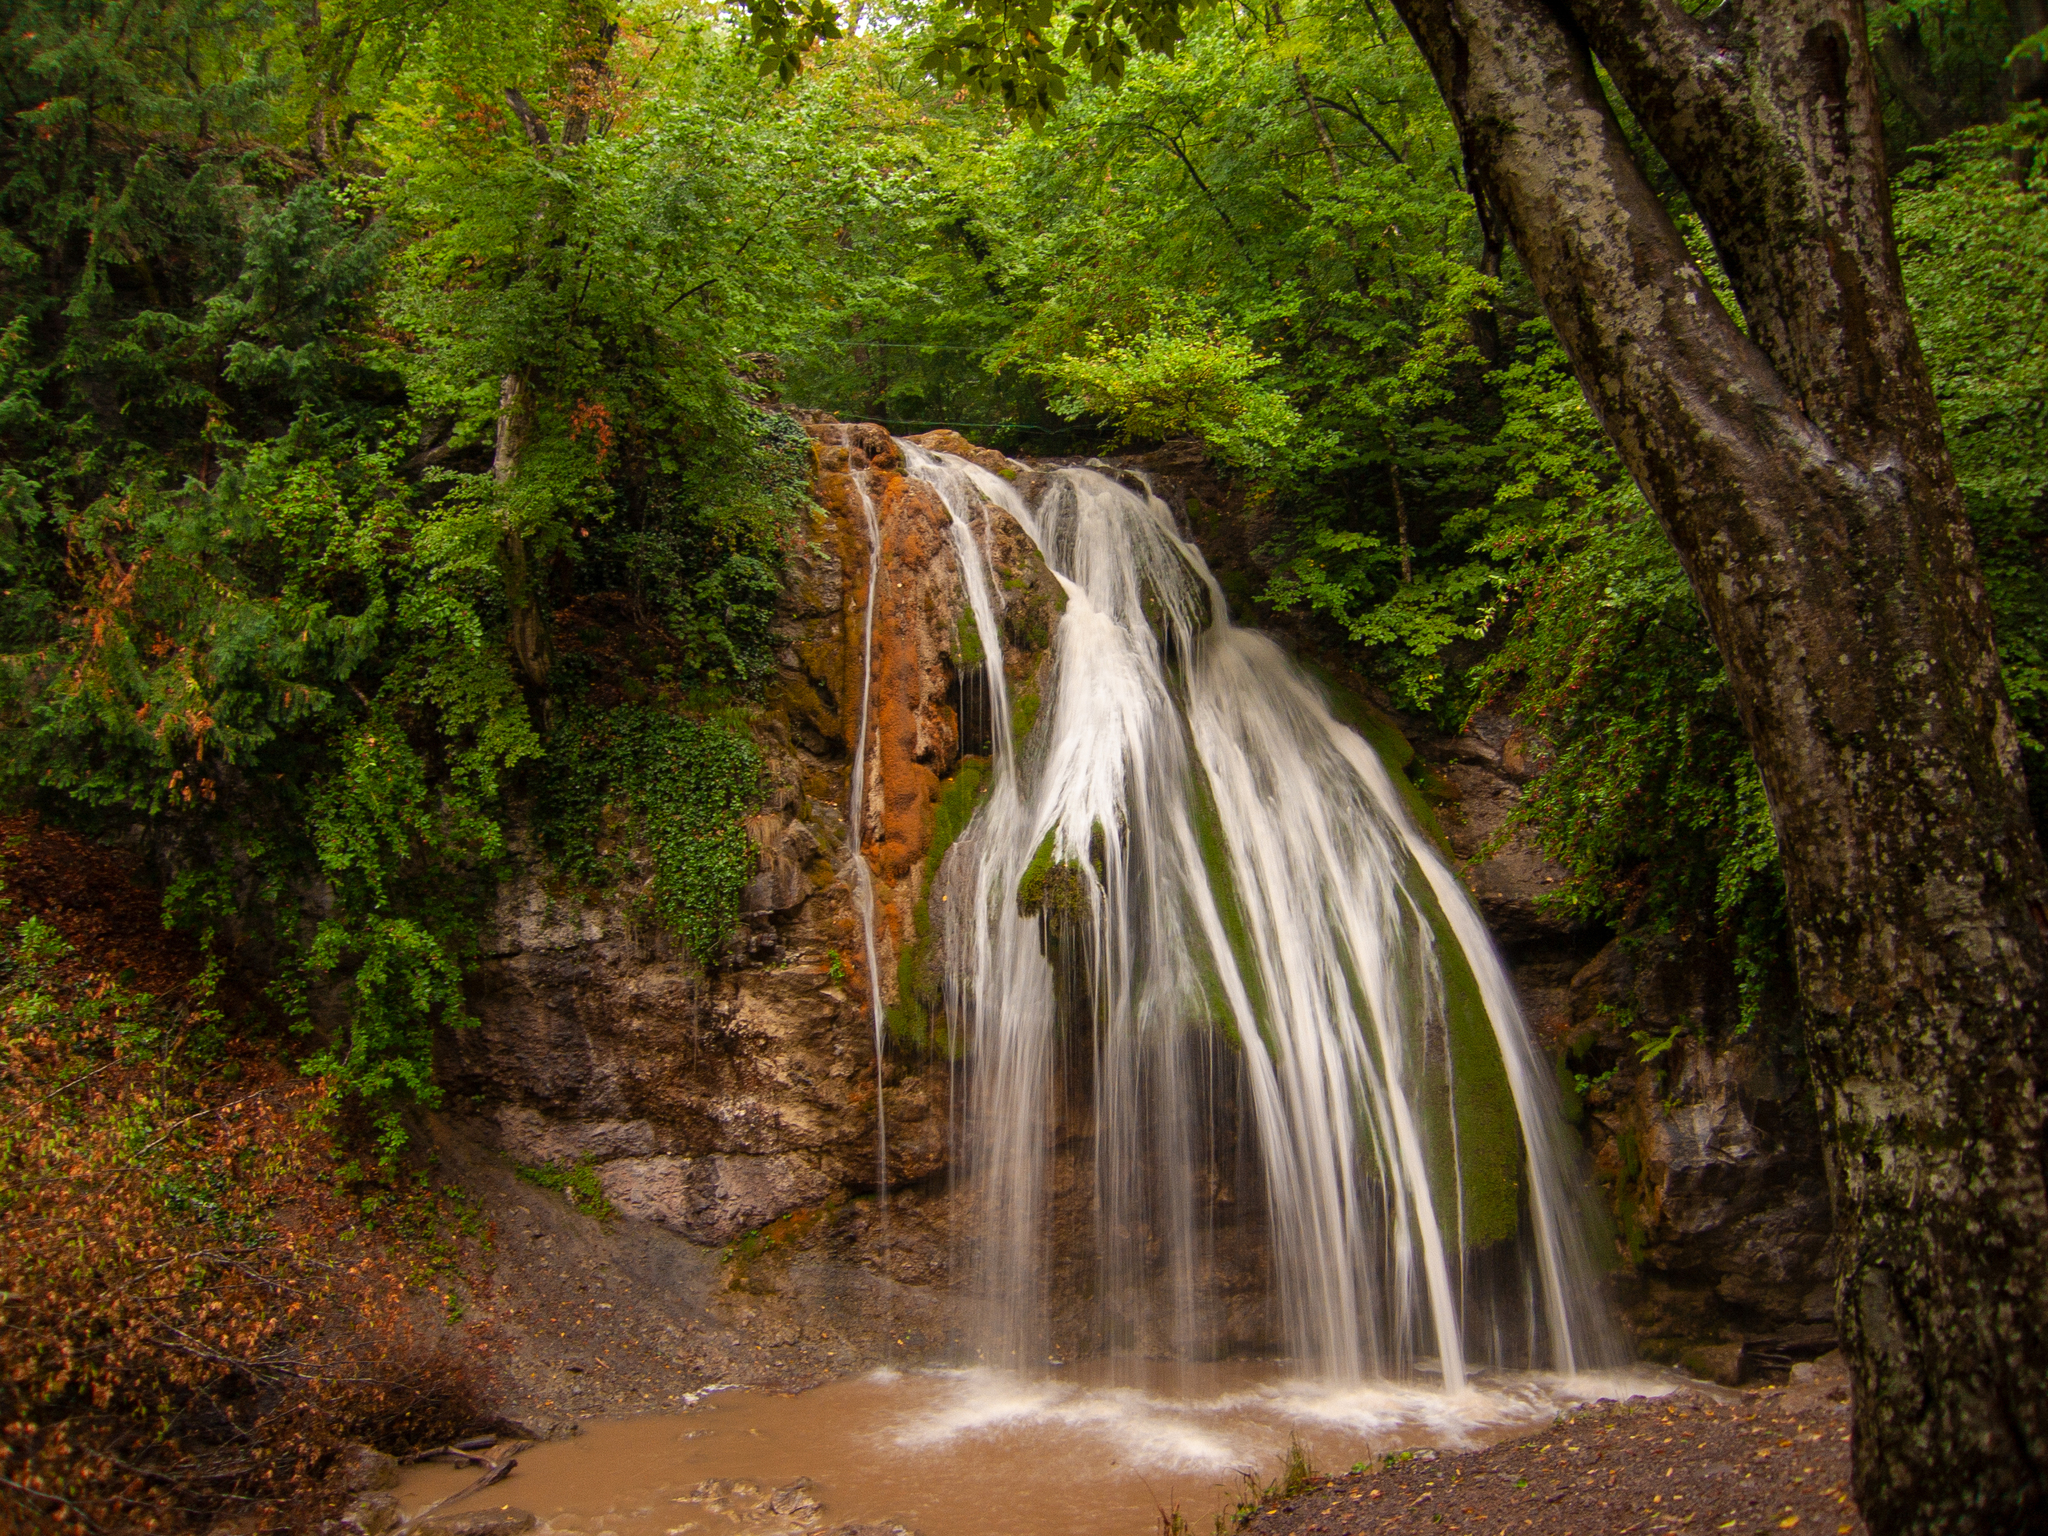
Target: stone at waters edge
x=504, y=1521
x=1720, y=1363
x=363, y=1470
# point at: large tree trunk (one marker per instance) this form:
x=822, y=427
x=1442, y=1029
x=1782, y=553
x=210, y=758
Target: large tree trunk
x=1803, y=477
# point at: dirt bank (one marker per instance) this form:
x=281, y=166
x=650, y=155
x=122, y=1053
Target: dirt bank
x=1767, y=1461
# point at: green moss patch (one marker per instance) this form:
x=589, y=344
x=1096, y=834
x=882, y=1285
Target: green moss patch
x=1380, y=732
x=1490, y=1162
x=968, y=651
x=1208, y=823
x=954, y=808
x=575, y=1182
x=917, y=1019
x=1052, y=887
x=1023, y=714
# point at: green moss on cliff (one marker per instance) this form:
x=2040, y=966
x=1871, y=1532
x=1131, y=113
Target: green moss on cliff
x=968, y=651
x=1488, y=1166
x=1208, y=824
x=1051, y=886
x=917, y=1019
x=954, y=808
x=1419, y=784
x=1023, y=714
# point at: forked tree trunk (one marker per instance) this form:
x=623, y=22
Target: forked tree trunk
x=1801, y=472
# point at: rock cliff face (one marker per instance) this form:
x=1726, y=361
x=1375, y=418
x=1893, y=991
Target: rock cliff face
x=714, y=1105
x=731, y=1114
x=1709, y=1153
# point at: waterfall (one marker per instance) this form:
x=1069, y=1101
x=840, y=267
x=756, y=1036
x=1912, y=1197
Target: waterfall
x=1197, y=941
x=863, y=878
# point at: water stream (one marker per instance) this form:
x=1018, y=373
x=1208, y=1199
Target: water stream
x=988, y=1453
x=863, y=878
x=1197, y=936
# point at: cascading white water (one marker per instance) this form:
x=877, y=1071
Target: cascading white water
x=1195, y=926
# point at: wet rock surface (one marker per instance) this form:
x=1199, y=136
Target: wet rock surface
x=1769, y=1461
x=1711, y=1156
x=504, y=1521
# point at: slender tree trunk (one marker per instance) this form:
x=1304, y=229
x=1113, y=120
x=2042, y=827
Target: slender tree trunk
x=1400, y=517
x=1802, y=475
x=2030, y=72
x=527, y=631
x=1315, y=116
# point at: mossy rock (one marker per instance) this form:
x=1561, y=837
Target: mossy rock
x=1024, y=706
x=1052, y=887
x=1380, y=732
x=917, y=1019
x=1208, y=825
x=968, y=651
x=1489, y=1162
x=953, y=807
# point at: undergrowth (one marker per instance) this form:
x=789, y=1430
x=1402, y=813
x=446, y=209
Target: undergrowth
x=678, y=788
x=1297, y=1473
x=256, y=1299
x=575, y=1182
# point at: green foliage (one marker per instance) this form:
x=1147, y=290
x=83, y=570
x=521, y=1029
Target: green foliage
x=1650, y=798
x=575, y=1182
x=1973, y=239
x=268, y=587
x=1183, y=375
x=685, y=787
x=342, y=348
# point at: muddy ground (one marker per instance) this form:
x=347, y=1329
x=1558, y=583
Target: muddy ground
x=1766, y=1461
x=574, y=1318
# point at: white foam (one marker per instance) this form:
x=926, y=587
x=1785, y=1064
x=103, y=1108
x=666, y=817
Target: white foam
x=1231, y=1430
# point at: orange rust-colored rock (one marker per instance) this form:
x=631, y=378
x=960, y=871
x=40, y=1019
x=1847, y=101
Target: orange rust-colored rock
x=946, y=440
x=915, y=733
x=913, y=730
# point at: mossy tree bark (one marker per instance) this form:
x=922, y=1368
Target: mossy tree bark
x=1801, y=472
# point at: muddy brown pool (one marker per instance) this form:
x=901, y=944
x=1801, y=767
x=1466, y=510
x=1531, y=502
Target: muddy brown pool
x=1096, y=1452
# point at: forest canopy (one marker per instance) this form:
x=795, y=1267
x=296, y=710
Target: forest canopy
x=346, y=350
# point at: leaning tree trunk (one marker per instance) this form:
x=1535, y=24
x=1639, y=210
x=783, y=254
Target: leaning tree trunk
x=1801, y=472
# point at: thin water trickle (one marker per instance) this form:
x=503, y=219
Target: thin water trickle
x=863, y=878
x=1204, y=938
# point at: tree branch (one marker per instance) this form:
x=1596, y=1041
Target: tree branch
x=536, y=130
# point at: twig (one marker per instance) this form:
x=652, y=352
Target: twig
x=498, y=1470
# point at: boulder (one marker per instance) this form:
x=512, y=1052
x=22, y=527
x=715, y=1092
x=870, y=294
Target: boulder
x=360, y=1469
x=712, y=1200
x=1720, y=1363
